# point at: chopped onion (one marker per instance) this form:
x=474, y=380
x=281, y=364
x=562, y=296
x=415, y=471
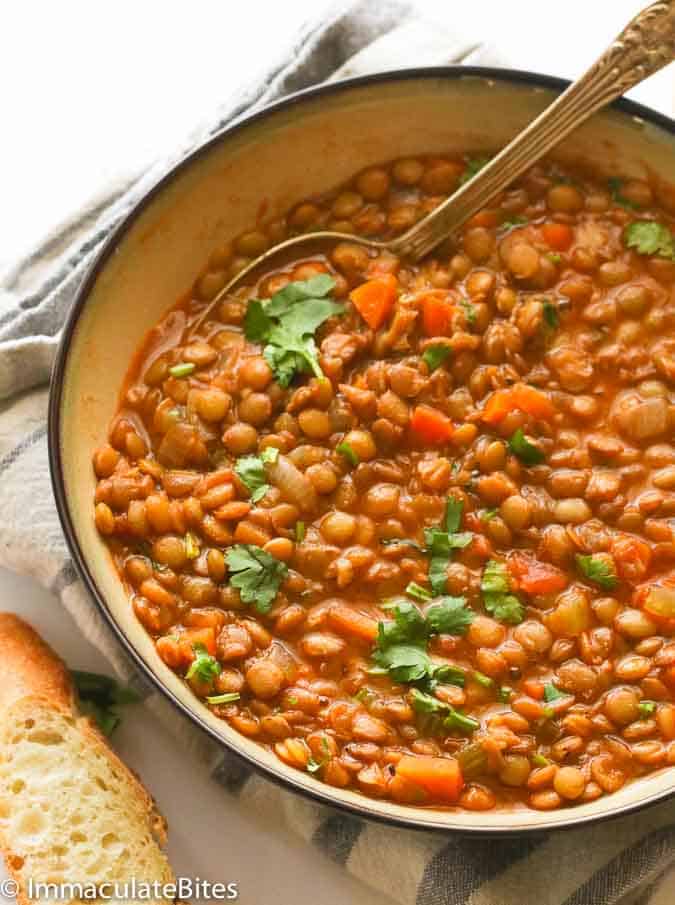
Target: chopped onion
x=295, y=487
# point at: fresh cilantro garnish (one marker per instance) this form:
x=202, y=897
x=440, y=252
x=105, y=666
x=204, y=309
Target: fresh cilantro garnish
x=511, y=222
x=487, y=515
x=554, y=257
x=403, y=542
x=551, y=316
x=251, y=472
x=429, y=706
x=192, y=548
x=256, y=574
x=418, y=592
x=100, y=697
x=551, y=693
x=183, y=369
x=407, y=626
x=287, y=323
x=448, y=675
x=300, y=532
x=469, y=311
x=442, y=541
x=404, y=662
x=313, y=765
x=539, y=760
x=228, y=698
x=473, y=165
x=204, y=667
x=646, y=708
x=497, y=596
x=348, y=452
x=434, y=356
x=527, y=452
x=614, y=185
x=449, y=616
x=482, y=679
x=598, y=568
x=504, y=693
x=648, y=237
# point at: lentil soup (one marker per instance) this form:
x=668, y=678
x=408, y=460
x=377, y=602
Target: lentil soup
x=411, y=526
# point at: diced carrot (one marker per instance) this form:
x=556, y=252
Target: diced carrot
x=658, y=601
x=204, y=636
x=441, y=777
x=557, y=235
x=375, y=299
x=431, y=426
x=350, y=622
x=437, y=311
x=534, y=688
x=487, y=218
x=536, y=577
x=632, y=557
x=519, y=397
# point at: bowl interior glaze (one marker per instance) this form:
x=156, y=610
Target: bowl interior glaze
x=304, y=145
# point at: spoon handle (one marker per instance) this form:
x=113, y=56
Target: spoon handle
x=645, y=45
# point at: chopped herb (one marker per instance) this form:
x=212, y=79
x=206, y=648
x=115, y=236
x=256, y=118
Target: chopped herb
x=256, y=574
x=403, y=542
x=346, y=450
x=615, y=185
x=488, y=514
x=293, y=701
x=364, y=696
x=449, y=616
x=504, y=693
x=183, y=369
x=511, y=222
x=299, y=532
x=527, y=452
x=483, y=680
x=100, y=697
x=434, y=356
x=646, y=708
x=417, y=591
x=497, y=596
x=287, y=323
x=204, y=667
x=454, y=508
x=426, y=703
x=554, y=257
x=598, y=568
x=551, y=693
x=404, y=662
x=460, y=722
x=452, y=719
x=441, y=542
x=551, y=316
x=539, y=760
x=549, y=713
x=192, y=548
x=448, y=675
x=473, y=165
x=407, y=626
x=313, y=766
x=648, y=237
x=228, y=698
x=469, y=310
x=251, y=472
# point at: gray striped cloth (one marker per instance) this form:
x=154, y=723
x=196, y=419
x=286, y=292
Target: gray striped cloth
x=627, y=861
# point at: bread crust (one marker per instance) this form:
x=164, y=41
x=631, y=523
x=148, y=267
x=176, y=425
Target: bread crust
x=34, y=676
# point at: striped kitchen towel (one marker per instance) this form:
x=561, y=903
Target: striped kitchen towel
x=627, y=861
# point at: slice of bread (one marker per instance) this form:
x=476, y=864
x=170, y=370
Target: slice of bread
x=70, y=811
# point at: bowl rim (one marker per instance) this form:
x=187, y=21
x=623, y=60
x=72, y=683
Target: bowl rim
x=320, y=795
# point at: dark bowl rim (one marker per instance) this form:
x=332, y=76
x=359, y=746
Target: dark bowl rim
x=416, y=820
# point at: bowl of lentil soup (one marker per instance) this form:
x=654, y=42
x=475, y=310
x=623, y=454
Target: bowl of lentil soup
x=398, y=535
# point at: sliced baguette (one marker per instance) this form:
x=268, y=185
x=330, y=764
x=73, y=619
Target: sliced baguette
x=70, y=810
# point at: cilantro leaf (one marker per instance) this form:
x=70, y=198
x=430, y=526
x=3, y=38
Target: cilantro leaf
x=550, y=312
x=256, y=574
x=442, y=541
x=287, y=323
x=614, y=186
x=648, y=237
x=598, y=568
x=348, y=452
x=527, y=452
x=511, y=222
x=496, y=588
x=100, y=697
x=469, y=311
x=407, y=627
x=445, y=674
x=551, y=693
x=204, y=667
x=426, y=703
x=251, y=472
x=434, y=356
x=404, y=662
x=418, y=592
x=449, y=616
x=473, y=165
x=453, y=514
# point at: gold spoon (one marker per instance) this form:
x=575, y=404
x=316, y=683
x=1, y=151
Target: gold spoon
x=645, y=45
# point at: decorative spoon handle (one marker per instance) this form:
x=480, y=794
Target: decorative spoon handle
x=646, y=45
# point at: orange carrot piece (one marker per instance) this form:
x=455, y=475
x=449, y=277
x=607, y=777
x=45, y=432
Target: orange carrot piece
x=375, y=299
x=487, y=217
x=519, y=397
x=632, y=557
x=431, y=426
x=437, y=311
x=557, y=235
x=536, y=577
x=441, y=777
x=350, y=622
x=534, y=689
x=204, y=636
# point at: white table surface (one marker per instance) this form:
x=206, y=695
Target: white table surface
x=91, y=91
